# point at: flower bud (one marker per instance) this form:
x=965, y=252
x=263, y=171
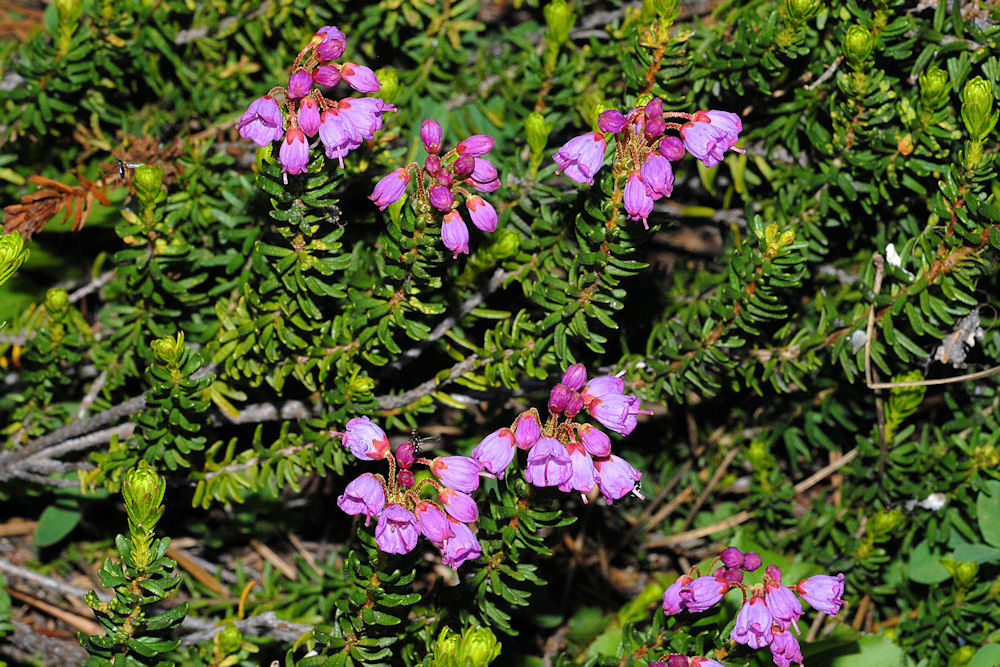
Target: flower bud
x=654, y=108
x=406, y=478
x=143, y=491
x=69, y=11
x=537, y=131
x=230, y=639
x=882, y=524
x=464, y=165
x=559, y=18
x=751, y=561
x=446, y=649
x=858, y=45
x=299, y=83
x=977, y=108
x=574, y=405
x=934, y=87
x=611, y=120
x=672, y=148
x=479, y=647
x=168, y=350
x=575, y=376
x=326, y=75
x=406, y=455
x=432, y=164
x=731, y=557
x=147, y=181
x=654, y=127
x=430, y=134
x=56, y=302
x=559, y=398
x=441, y=198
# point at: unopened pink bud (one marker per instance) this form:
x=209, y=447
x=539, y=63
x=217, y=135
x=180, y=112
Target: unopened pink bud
x=430, y=134
x=672, y=148
x=574, y=405
x=464, y=166
x=299, y=84
x=441, y=198
x=575, y=376
x=326, y=75
x=611, y=120
x=432, y=164
x=476, y=145
x=406, y=455
x=559, y=398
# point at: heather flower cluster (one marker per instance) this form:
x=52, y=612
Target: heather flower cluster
x=643, y=150
x=567, y=454
x=401, y=514
x=301, y=110
x=444, y=181
x=770, y=610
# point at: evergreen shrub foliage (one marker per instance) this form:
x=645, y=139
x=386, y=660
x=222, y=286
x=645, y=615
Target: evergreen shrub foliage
x=805, y=328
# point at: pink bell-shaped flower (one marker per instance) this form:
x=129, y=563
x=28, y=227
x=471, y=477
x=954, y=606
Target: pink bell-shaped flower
x=360, y=78
x=365, y=440
x=396, y=531
x=262, y=122
x=581, y=157
x=454, y=233
x=364, y=495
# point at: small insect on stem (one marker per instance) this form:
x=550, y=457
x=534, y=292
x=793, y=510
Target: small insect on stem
x=419, y=440
x=121, y=168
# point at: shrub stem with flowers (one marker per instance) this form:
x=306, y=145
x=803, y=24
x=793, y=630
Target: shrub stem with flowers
x=781, y=384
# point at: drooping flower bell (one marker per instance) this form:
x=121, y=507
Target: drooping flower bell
x=581, y=157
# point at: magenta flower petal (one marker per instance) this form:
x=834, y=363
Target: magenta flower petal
x=308, y=116
x=364, y=495
x=390, y=188
x=441, y=198
x=638, y=202
x=476, y=145
x=527, y=430
x=432, y=522
x=703, y=593
x=462, y=546
x=431, y=134
x=360, y=78
x=396, y=531
x=549, y=463
x=365, y=440
x=458, y=472
x=482, y=213
x=753, y=624
x=583, y=475
x=299, y=84
x=454, y=233
x=616, y=478
x=595, y=441
x=483, y=171
x=262, y=122
x=294, y=152
x=658, y=175
x=581, y=157
x=823, y=592
x=459, y=505
x=496, y=451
